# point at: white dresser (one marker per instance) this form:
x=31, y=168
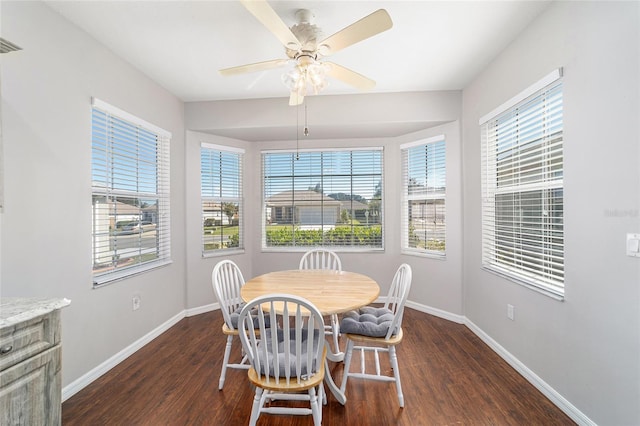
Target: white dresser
x=30, y=361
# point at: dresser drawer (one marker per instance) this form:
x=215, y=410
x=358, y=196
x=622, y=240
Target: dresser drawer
x=29, y=338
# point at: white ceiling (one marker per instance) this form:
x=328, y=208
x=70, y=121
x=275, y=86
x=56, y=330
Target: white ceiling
x=433, y=45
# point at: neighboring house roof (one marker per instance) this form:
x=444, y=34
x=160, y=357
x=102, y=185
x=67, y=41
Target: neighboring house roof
x=353, y=204
x=118, y=207
x=211, y=206
x=306, y=197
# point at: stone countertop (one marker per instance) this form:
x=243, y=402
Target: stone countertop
x=14, y=310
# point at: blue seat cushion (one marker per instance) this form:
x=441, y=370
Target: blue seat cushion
x=368, y=321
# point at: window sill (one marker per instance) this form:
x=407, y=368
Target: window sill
x=304, y=249
x=112, y=277
x=225, y=252
x=427, y=254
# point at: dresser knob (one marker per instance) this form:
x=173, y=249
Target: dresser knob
x=6, y=349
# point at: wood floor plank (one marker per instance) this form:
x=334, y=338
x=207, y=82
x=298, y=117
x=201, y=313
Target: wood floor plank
x=449, y=377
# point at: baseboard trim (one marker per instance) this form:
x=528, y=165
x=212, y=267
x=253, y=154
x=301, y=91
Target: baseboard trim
x=436, y=312
x=569, y=409
x=202, y=309
x=86, y=379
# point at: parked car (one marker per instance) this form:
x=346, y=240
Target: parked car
x=137, y=227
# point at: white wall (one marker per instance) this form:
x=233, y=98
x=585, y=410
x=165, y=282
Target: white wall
x=46, y=224
x=587, y=348
x=350, y=116
x=437, y=283
x=199, y=268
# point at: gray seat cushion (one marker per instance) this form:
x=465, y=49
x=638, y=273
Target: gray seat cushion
x=236, y=314
x=282, y=364
x=368, y=321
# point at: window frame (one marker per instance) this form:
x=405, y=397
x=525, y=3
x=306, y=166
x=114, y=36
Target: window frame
x=439, y=166
x=527, y=249
x=379, y=209
x=111, y=191
x=239, y=199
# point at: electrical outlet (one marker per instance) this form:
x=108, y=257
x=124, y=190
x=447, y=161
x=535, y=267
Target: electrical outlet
x=511, y=312
x=136, y=302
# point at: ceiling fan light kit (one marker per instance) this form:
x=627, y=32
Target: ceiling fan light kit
x=309, y=74
x=307, y=77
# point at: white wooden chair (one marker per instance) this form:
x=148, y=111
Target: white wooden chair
x=285, y=360
x=325, y=259
x=377, y=330
x=321, y=259
x=227, y=280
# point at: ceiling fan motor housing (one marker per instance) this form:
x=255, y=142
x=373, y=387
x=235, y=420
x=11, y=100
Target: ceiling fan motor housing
x=307, y=33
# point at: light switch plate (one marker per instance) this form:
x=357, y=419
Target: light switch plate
x=633, y=245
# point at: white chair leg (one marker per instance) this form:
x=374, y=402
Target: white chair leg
x=225, y=361
x=347, y=364
x=315, y=411
x=396, y=373
x=322, y=398
x=335, y=327
x=324, y=394
x=255, y=409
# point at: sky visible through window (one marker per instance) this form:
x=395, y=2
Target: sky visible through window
x=124, y=155
x=220, y=174
x=349, y=172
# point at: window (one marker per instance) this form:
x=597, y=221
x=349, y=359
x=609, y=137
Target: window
x=130, y=187
x=522, y=188
x=423, y=196
x=221, y=190
x=323, y=198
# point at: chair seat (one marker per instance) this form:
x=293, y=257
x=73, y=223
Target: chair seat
x=227, y=331
x=368, y=321
x=359, y=338
x=293, y=385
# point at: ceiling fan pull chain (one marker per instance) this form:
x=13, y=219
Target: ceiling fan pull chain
x=297, y=138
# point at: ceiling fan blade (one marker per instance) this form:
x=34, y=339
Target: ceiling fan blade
x=270, y=19
x=350, y=77
x=296, y=99
x=366, y=27
x=258, y=66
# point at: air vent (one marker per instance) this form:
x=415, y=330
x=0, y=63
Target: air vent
x=6, y=46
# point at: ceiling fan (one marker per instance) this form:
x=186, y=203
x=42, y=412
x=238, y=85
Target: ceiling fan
x=306, y=51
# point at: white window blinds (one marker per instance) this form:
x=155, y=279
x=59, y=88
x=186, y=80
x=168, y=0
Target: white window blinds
x=323, y=198
x=423, y=196
x=221, y=191
x=522, y=191
x=130, y=186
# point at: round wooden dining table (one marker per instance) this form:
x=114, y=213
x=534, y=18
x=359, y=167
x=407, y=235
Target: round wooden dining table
x=332, y=292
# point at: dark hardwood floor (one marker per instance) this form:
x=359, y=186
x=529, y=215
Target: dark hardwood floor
x=449, y=377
